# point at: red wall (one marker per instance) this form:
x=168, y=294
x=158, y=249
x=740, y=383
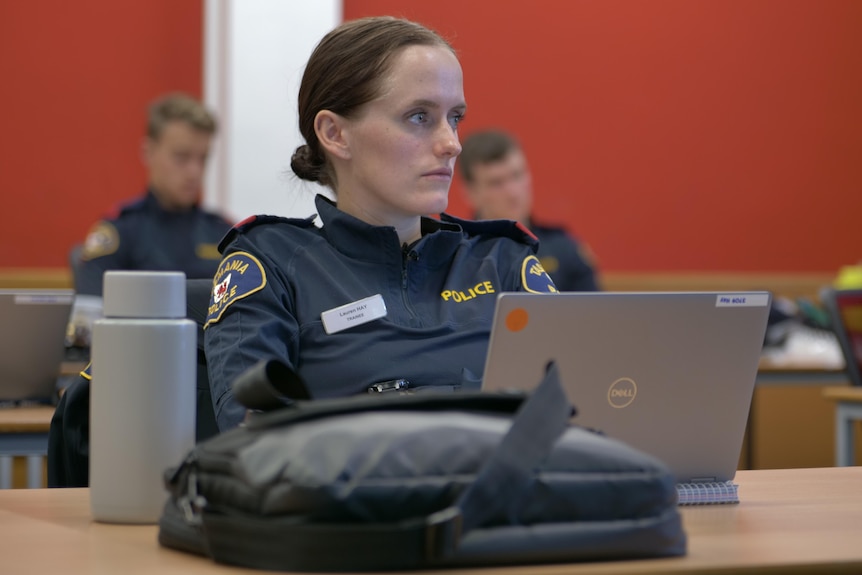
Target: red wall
x=674, y=134
x=76, y=79
x=670, y=134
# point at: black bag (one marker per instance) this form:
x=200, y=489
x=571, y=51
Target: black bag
x=398, y=481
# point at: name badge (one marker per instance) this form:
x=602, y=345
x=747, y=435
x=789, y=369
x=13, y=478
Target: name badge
x=353, y=314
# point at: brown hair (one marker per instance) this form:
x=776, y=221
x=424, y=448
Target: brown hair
x=484, y=148
x=344, y=72
x=178, y=107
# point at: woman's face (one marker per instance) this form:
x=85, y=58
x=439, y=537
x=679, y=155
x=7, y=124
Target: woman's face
x=402, y=146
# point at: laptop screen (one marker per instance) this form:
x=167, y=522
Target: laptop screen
x=32, y=342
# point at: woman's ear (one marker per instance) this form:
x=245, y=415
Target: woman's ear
x=330, y=130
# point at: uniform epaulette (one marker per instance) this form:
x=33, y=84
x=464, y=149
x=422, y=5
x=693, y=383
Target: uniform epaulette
x=254, y=221
x=504, y=228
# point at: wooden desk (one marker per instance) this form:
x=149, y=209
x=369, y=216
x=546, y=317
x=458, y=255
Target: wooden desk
x=24, y=432
x=798, y=372
x=789, y=521
x=790, y=424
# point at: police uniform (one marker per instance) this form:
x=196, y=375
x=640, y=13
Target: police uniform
x=145, y=236
x=284, y=283
x=565, y=259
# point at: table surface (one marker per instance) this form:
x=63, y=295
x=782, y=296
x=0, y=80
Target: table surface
x=845, y=394
x=769, y=365
x=789, y=521
x=26, y=419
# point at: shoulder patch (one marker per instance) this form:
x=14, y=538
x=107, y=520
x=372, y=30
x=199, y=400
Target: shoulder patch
x=207, y=252
x=550, y=263
x=534, y=278
x=254, y=221
x=85, y=373
x=102, y=240
x=239, y=275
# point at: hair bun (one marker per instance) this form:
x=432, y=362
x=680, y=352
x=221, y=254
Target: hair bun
x=305, y=165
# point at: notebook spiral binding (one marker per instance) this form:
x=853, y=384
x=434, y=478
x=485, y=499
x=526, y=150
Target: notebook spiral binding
x=707, y=493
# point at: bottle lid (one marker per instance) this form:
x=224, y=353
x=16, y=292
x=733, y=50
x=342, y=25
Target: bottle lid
x=144, y=294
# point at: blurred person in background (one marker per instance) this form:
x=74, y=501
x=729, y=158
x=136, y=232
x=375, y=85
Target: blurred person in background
x=497, y=179
x=165, y=229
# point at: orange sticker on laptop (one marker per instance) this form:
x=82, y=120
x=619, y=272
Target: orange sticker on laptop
x=517, y=319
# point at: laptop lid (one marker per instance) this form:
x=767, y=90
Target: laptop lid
x=669, y=373
x=32, y=342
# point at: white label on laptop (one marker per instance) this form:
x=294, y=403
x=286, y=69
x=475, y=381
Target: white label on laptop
x=41, y=299
x=353, y=314
x=742, y=300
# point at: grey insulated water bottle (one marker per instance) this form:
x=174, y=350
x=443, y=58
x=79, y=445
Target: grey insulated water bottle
x=142, y=397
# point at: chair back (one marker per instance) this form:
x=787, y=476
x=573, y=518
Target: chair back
x=197, y=302
x=845, y=312
x=74, y=261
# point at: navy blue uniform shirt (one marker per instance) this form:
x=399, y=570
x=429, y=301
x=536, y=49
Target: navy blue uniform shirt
x=565, y=259
x=145, y=236
x=280, y=276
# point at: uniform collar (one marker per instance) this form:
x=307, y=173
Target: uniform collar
x=359, y=240
x=152, y=203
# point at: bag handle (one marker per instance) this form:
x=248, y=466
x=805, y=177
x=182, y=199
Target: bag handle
x=269, y=385
x=537, y=426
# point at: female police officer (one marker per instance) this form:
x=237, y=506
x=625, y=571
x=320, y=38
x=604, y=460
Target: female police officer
x=380, y=292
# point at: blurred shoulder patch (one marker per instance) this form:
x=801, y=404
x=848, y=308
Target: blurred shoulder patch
x=550, y=263
x=207, y=251
x=102, y=240
x=239, y=275
x=534, y=278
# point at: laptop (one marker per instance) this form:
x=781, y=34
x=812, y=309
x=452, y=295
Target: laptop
x=671, y=374
x=32, y=342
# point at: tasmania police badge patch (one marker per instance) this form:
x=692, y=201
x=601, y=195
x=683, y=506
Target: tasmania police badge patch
x=534, y=278
x=102, y=240
x=239, y=275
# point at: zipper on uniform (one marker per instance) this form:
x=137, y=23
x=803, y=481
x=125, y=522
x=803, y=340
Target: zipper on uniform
x=407, y=255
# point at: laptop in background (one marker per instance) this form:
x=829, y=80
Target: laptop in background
x=671, y=374
x=32, y=342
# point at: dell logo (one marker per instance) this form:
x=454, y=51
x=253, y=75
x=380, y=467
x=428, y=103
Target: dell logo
x=622, y=392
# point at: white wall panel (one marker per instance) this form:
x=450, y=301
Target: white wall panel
x=254, y=55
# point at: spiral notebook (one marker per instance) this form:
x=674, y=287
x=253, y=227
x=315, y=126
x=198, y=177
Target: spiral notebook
x=671, y=374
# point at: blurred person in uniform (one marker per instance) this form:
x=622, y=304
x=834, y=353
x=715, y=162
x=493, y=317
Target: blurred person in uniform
x=165, y=229
x=381, y=296
x=497, y=180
